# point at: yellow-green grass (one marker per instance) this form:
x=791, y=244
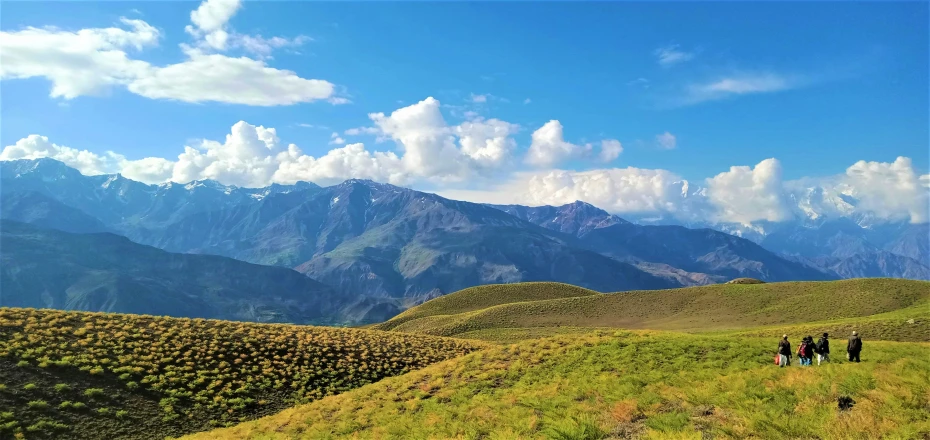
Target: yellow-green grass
x=83, y=375
x=911, y=324
x=482, y=297
x=704, y=308
x=625, y=384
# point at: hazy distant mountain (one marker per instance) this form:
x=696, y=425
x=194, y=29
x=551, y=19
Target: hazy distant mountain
x=382, y=240
x=825, y=223
x=124, y=205
x=106, y=272
x=577, y=218
x=870, y=265
x=384, y=248
x=702, y=251
x=43, y=211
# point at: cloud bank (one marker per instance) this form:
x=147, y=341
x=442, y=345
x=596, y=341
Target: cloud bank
x=90, y=62
x=470, y=160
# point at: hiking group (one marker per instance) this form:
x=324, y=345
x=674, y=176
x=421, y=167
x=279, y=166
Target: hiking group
x=807, y=349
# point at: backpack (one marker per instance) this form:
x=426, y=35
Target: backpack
x=804, y=350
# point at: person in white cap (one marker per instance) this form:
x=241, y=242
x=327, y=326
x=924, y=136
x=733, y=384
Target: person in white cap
x=854, y=347
x=784, y=352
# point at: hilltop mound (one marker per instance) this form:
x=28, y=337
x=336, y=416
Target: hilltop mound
x=481, y=297
x=623, y=385
x=715, y=307
x=745, y=281
x=95, y=375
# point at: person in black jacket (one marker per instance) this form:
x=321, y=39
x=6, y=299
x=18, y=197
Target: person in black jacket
x=823, y=349
x=784, y=352
x=854, y=347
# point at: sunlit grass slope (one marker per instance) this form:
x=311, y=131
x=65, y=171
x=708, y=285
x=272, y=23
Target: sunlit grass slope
x=482, y=297
x=79, y=375
x=622, y=384
x=704, y=308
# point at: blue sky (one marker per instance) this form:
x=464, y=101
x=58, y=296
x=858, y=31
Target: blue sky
x=818, y=85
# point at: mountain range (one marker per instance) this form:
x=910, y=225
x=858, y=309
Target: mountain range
x=48, y=268
x=382, y=248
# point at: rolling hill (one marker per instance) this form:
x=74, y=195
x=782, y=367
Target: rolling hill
x=702, y=308
x=105, y=272
x=80, y=375
x=620, y=385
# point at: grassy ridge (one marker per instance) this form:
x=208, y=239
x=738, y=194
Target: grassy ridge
x=83, y=375
x=482, y=297
x=716, y=307
x=624, y=385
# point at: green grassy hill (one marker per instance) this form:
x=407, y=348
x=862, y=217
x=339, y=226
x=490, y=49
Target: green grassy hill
x=482, y=297
x=705, y=308
x=80, y=375
x=621, y=384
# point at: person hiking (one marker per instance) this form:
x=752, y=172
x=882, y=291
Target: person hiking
x=854, y=347
x=804, y=352
x=809, y=350
x=823, y=349
x=784, y=352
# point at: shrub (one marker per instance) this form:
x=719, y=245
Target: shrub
x=2, y=387
x=79, y=405
x=103, y=411
x=65, y=405
x=23, y=364
x=93, y=392
x=122, y=414
x=9, y=426
x=29, y=386
x=132, y=385
x=37, y=404
x=46, y=425
x=62, y=387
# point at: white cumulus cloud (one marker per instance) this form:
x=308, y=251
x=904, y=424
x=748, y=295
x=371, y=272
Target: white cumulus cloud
x=549, y=147
x=744, y=194
x=254, y=156
x=38, y=147
x=78, y=63
x=890, y=190
x=219, y=78
x=487, y=142
x=619, y=190
x=90, y=61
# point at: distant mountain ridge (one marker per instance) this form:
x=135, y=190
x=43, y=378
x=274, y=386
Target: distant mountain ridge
x=386, y=248
x=47, y=268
